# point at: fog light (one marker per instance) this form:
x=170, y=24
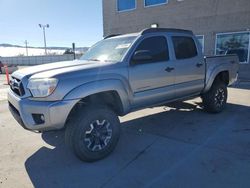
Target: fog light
x=42, y=118
x=38, y=118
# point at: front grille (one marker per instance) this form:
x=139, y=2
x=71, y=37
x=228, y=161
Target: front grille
x=16, y=86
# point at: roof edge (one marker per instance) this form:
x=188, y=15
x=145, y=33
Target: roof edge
x=155, y=30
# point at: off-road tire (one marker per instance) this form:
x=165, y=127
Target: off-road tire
x=82, y=122
x=214, y=101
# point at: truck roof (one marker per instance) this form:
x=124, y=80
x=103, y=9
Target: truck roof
x=153, y=30
x=167, y=30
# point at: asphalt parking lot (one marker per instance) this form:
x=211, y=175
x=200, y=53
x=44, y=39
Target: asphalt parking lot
x=3, y=87
x=178, y=145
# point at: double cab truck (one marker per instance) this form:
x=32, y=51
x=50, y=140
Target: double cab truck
x=118, y=75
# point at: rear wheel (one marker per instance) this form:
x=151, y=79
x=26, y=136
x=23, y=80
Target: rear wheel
x=93, y=133
x=215, y=99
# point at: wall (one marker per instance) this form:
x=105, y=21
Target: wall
x=203, y=17
x=36, y=60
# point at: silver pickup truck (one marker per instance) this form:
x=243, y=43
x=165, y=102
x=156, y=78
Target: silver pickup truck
x=118, y=75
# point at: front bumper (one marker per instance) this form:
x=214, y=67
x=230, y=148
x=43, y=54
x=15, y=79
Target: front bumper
x=55, y=113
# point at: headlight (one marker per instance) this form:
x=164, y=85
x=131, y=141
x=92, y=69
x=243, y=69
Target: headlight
x=42, y=87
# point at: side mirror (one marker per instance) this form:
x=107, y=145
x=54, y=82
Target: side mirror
x=142, y=56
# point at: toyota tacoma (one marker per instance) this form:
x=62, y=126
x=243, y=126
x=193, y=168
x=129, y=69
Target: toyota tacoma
x=118, y=75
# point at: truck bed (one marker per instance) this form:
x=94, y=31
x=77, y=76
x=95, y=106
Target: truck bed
x=215, y=64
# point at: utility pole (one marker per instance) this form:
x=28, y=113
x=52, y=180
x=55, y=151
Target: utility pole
x=44, y=35
x=74, y=49
x=26, y=46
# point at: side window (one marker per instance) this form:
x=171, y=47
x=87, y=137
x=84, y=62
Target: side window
x=157, y=47
x=184, y=47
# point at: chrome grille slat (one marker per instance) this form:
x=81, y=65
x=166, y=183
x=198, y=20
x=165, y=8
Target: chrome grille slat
x=16, y=86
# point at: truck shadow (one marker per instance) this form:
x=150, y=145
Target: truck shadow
x=56, y=166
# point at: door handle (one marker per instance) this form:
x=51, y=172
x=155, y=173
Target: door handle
x=199, y=65
x=169, y=69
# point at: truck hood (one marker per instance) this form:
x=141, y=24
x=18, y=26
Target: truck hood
x=48, y=70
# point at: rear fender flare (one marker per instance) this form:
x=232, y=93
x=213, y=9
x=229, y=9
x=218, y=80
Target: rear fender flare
x=212, y=75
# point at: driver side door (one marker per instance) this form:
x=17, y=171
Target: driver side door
x=152, y=80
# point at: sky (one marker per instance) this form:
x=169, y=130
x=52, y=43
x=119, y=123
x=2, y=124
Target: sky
x=78, y=21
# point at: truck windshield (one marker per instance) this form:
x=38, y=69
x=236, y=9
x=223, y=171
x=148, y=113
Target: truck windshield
x=112, y=49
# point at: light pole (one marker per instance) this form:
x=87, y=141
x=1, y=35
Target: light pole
x=26, y=46
x=44, y=36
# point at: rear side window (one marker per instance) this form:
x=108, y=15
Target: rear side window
x=184, y=47
x=157, y=46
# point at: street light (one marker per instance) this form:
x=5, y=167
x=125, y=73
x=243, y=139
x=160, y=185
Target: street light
x=44, y=36
x=26, y=46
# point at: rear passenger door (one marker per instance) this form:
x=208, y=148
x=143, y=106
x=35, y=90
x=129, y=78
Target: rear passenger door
x=189, y=65
x=152, y=81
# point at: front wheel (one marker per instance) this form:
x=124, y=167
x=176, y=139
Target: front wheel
x=215, y=99
x=93, y=133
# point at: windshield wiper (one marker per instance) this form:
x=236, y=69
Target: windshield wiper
x=93, y=60
x=100, y=60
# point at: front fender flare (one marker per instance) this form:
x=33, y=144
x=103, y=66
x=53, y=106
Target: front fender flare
x=95, y=87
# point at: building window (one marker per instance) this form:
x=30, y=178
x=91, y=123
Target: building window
x=148, y=3
x=184, y=47
x=201, y=41
x=124, y=5
x=234, y=43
